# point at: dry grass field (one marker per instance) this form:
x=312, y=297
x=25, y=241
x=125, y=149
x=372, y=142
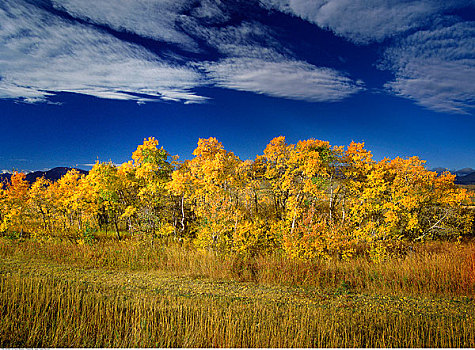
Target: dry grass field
x=150, y=294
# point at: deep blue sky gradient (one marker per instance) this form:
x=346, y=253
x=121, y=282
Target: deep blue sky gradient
x=83, y=128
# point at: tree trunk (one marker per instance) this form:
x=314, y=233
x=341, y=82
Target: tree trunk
x=130, y=226
x=117, y=229
x=182, y=213
x=331, y=199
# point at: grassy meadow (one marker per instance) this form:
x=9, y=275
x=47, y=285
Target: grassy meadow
x=151, y=293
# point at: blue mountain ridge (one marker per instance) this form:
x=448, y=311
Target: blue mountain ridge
x=52, y=174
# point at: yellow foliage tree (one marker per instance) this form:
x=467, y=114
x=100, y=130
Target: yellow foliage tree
x=15, y=204
x=209, y=183
x=103, y=187
x=152, y=172
x=313, y=185
x=67, y=199
x=399, y=198
x=41, y=203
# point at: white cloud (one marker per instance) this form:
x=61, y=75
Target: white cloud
x=211, y=11
x=41, y=54
x=436, y=68
x=287, y=78
x=364, y=21
x=257, y=62
x=149, y=18
x=248, y=39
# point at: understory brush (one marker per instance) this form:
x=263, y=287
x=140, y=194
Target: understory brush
x=433, y=268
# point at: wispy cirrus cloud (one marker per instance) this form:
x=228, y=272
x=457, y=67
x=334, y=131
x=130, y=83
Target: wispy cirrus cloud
x=247, y=39
x=256, y=62
x=148, y=18
x=435, y=67
x=211, y=11
x=431, y=54
x=285, y=78
x=41, y=54
x=365, y=21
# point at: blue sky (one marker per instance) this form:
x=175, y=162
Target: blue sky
x=82, y=80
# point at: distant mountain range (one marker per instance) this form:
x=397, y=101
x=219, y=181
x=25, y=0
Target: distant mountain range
x=466, y=179
x=460, y=172
x=465, y=176
x=52, y=174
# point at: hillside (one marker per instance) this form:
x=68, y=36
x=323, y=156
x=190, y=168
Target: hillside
x=466, y=179
x=52, y=174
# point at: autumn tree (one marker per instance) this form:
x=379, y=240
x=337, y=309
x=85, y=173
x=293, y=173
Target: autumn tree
x=15, y=203
x=67, y=199
x=153, y=168
x=208, y=182
x=276, y=157
x=307, y=184
x=182, y=189
x=400, y=198
x=2, y=204
x=103, y=183
x=129, y=188
x=41, y=202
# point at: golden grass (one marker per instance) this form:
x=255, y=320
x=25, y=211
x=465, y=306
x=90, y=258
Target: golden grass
x=151, y=294
x=436, y=268
x=47, y=312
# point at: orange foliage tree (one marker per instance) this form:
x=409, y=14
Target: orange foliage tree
x=15, y=204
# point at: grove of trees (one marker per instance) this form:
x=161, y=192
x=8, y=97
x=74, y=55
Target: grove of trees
x=307, y=200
